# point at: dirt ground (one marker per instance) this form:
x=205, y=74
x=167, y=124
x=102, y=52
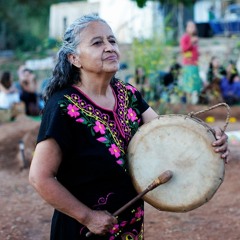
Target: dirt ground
x=24, y=215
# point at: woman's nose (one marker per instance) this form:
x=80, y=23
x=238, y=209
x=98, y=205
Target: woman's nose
x=109, y=47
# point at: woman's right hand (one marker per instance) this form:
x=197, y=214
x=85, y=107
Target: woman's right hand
x=194, y=39
x=100, y=222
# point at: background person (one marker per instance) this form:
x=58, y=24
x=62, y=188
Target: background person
x=8, y=94
x=80, y=164
x=212, y=93
x=29, y=94
x=191, y=81
x=230, y=84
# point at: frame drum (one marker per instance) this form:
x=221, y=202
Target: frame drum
x=181, y=144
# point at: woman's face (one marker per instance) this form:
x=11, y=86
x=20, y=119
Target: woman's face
x=191, y=28
x=215, y=62
x=98, y=49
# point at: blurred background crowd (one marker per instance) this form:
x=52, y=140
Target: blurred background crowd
x=168, y=60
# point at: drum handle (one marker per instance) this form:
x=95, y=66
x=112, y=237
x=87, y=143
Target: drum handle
x=213, y=107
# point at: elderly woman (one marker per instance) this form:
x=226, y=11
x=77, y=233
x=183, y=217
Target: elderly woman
x=80, y=165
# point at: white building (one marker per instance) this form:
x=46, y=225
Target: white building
x=63, y=14
x=202, y=7
x=125, y=18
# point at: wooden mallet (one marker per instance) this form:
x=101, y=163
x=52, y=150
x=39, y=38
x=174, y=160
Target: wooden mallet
x=163, y=178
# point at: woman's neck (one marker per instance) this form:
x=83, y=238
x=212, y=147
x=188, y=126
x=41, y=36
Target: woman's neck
x=100, y=92
x=95, y=86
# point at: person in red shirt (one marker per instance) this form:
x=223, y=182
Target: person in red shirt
x=191, y=81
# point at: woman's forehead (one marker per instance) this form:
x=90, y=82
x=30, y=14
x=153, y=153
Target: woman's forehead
x=96, y=29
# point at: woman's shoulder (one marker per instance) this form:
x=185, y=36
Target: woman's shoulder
x=126, y=85
x=62, y=92
x=60, y=95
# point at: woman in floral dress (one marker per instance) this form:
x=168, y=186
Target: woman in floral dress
x=80, y=165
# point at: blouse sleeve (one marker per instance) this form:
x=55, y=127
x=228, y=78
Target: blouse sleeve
x=55, y=124
x=142, y=104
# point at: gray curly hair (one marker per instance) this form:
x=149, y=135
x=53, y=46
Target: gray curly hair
x=65, y=74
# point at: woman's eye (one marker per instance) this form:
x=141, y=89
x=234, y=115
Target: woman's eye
x=97, y=43
x=113, y=41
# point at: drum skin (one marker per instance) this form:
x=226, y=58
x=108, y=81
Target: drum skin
x=182, y=144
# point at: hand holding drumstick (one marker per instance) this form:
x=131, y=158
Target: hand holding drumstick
x=163, y=178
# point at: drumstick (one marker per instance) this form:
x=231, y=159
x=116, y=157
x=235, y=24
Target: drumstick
x=163, y=178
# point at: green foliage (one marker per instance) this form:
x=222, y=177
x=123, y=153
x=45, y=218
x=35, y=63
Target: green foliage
x=147, y=53
x=153, y=54
x=24, y=23
x=50, y=43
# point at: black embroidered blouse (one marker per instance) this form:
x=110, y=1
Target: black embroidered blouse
x=94, y=169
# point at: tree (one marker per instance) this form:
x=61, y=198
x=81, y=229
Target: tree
x=24, y=23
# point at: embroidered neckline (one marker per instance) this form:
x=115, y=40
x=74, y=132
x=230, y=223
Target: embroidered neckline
x=94, y=103
x=101, y=120
x=119, y=125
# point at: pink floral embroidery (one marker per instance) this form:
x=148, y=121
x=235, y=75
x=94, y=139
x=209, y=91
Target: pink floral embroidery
x=102, y=200
x=115, y=229
x=133, y=221
x=102, y=139
x=99, y=127
x=114, y=150
x=123, y=223
x=132, y=114
x=139, y=213
x=120, y=162
x=73, y=111
x=80, y=120
x=132, y=89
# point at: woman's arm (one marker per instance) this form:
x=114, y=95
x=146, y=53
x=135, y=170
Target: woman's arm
x=44, y=166
x=149, y=115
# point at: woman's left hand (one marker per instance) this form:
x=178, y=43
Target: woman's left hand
x=221, y=144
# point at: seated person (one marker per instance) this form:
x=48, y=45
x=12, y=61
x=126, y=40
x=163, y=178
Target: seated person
x=171, y=78
x=169, y=81
x=231, y=89
x=211, y=94
x=29, y=93
x=8, y=95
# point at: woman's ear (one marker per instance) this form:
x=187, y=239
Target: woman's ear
x=74, y=60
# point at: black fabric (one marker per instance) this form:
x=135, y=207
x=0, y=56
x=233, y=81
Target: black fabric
x=31, y=103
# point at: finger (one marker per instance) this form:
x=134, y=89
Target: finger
x=225, y=156
x=218, y=133
x=114, y=219
x=226, y=160
x=220, y=140
x=221, y=149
